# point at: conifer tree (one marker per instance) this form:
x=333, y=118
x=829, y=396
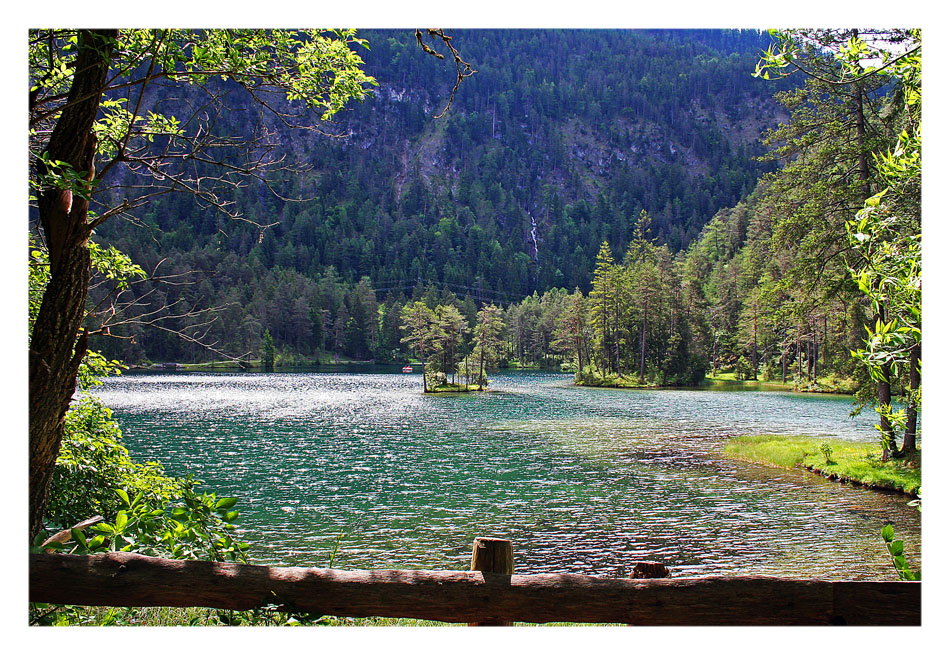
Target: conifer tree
x=267, y=351
x=487, y=337
x=417, y=320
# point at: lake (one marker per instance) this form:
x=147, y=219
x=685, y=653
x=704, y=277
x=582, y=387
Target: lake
x=365, y=469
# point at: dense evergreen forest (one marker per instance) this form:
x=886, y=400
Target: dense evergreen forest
x=637, y=218
x=557, y=143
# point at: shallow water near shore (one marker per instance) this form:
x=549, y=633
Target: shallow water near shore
x=364, y=468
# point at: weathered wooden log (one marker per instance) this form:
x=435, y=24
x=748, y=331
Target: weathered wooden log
x=491, y=555
x=130, y=580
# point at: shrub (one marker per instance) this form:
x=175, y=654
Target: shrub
x=92, y=462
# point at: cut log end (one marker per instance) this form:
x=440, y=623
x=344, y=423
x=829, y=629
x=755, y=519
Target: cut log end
x=649, y=570
x=491, y=555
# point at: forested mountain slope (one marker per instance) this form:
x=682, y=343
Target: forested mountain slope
x=556, y=144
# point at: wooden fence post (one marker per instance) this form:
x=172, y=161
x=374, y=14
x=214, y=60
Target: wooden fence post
x=490, y=555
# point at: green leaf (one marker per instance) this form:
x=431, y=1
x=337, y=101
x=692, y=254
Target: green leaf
x=896, y=548
x=226, y=503
x=121, y=493
x=79, y=537
x=888, y=533
x=103, y=528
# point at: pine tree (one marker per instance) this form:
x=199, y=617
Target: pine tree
x=417, y=321
x=267, y=351
x=487, y=337
x=602, y=297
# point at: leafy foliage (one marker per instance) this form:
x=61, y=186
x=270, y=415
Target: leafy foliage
x=195, y=525
x=93, y=462
x=884, y=235
x=895, y=547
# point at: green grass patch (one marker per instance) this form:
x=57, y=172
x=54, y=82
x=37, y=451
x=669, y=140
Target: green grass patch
x=199, y=616
x=591, y=379
x=448, y=387
x=729, y=380
x=228, y=365
x=832, y=383
x=844, y=460
x=722, y=377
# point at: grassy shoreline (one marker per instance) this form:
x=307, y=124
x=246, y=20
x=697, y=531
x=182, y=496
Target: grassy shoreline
x=448, y=387
x=615, y=382
x=846, y=461
x=824, y=384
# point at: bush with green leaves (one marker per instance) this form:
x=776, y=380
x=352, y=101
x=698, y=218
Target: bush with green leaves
x=196, y=525
x=896, y=549
x=827, y=451
x=743, y=368
x=93, y=462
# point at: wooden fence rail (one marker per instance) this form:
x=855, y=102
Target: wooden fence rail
x=130, y=580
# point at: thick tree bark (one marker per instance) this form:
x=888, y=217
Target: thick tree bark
x=910, y=430
x=55, y=353
x=884, y=400
x=863, y=168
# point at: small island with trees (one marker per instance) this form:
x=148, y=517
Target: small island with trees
x=437, y=337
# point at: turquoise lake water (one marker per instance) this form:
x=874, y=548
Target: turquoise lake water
x=365, y=468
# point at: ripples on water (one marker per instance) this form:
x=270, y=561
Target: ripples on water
x=582, y=480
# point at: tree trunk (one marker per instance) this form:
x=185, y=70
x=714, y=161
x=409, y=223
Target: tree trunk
x=481, y=367
x=798, y=351
x=755, y=339
x=910, y=430
x=864, y=171
x=55, y=353
x=884, y=400
x=643, y=340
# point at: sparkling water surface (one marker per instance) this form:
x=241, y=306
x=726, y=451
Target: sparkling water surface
x=365, y=469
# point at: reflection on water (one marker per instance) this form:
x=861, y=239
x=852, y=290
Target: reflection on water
x=582, y=480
